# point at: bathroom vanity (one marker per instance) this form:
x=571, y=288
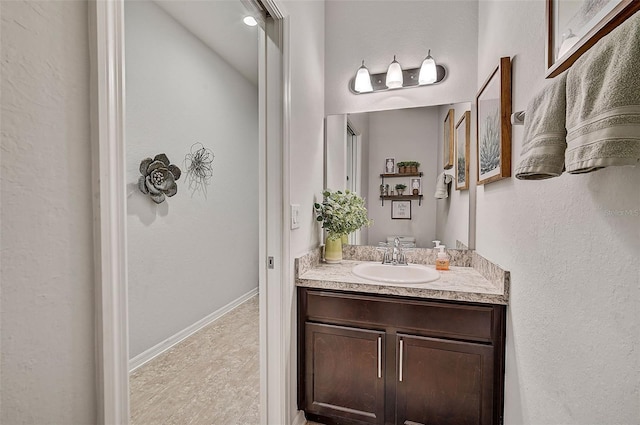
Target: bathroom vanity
x=373, y=353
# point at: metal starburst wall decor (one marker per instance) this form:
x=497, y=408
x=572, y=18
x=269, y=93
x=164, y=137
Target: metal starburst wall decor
x=199, y=167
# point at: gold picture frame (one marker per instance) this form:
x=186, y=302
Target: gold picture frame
x=493, y=125
x=463, y=149
x=448, y=140
x=573, y=27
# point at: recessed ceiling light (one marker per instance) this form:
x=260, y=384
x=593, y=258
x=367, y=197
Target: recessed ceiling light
x=250, y=20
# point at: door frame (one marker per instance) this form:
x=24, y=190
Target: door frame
x=107, y=107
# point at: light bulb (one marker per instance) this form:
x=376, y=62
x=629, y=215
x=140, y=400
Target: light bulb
x=394, y=75
x=568, y=40
x=250, y=20
x=363, y=80
x=428, y=72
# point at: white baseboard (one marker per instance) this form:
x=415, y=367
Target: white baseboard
x=163, y=346
x=299, y=419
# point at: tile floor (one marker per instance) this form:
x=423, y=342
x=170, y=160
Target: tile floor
x=210, y=378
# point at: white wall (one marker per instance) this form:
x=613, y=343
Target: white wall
x=360, y=124
x=335, y=152
x=307, y=59
x=190, y=255
x=406, y=135
x=572, y=244
x=376, y=30
x=452, y=213
x=47, y=314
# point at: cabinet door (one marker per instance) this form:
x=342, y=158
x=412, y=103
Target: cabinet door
x=344, y=376
x=443, y=382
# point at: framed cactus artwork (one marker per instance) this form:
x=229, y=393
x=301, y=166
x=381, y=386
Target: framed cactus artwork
x=463, y=130
x=494, y=125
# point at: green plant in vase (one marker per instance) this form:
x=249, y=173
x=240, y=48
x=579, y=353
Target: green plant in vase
x=341, y=213
x=412, y=166
x=400, y=188
x=402, y=167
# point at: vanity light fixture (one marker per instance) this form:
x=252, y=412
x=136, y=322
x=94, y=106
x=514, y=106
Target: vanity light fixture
x=363, y=80
x=568, y=40
x=397, y=78
x=250, y=21
x=428, y=71
x=394, y=75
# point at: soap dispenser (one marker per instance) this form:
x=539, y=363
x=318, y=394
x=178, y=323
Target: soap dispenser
x=442, y=262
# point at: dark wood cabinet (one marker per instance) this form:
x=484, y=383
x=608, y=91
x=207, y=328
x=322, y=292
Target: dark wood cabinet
x=343, y=373
x=373, y=359
x=444, y=382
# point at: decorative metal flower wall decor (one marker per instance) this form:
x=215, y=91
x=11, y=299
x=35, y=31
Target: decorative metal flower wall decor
x=199, y=169
x=158, y=178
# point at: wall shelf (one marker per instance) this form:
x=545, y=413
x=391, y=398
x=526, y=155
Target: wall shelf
x=400, y=197
x=384, y=176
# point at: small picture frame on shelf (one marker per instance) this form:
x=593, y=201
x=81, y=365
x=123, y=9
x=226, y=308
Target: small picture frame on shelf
x=401, y=210
x=416, y=184
x=389, y=165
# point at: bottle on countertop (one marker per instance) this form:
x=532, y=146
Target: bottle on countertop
x=442, y=261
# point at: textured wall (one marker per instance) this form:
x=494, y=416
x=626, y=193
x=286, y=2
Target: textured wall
x=47, y=315
x=307, y=59
x=307, y=116
x=572, y=245
x=184, y=260
x=377, y=30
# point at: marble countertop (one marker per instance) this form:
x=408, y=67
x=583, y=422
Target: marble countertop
x=458, y=283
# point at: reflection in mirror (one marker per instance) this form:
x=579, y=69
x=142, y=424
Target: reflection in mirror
x=357, y=148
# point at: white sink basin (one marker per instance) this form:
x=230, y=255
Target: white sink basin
x=412, y=273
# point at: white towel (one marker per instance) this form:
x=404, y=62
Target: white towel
x=442, y=184
x=544, y=142
x=603, y=102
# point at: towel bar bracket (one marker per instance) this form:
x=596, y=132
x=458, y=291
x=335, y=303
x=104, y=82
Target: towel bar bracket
x=517, y=118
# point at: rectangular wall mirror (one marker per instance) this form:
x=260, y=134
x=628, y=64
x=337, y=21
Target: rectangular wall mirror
x=357, y=149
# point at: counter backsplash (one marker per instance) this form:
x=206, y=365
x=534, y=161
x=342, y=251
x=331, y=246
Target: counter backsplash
x=460, y=258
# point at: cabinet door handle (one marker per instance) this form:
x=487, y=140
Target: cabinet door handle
x=401, y=349
x=379, y=357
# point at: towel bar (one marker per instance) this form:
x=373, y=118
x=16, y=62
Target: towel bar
x=517, y=118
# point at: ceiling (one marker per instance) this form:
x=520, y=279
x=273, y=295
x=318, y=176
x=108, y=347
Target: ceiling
x=218, y=24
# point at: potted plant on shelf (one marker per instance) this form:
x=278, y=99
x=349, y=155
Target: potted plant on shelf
x=341, y=213
x=413, y=166
x=400, y=188
x=402, y=167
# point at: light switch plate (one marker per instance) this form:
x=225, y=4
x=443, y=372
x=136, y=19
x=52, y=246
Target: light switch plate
x=295, y=216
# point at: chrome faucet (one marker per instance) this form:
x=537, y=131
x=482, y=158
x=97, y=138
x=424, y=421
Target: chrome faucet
x=394, y=255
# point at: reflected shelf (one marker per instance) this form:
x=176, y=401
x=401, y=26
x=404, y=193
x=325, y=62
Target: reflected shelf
x=401, y=198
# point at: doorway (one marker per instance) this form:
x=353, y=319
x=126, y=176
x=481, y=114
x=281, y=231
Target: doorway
x=192, y=112
x=108, y=123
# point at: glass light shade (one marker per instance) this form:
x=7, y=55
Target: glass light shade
x=363, y=80
x=568, y=41
x=394, y=75
x=428, y=72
